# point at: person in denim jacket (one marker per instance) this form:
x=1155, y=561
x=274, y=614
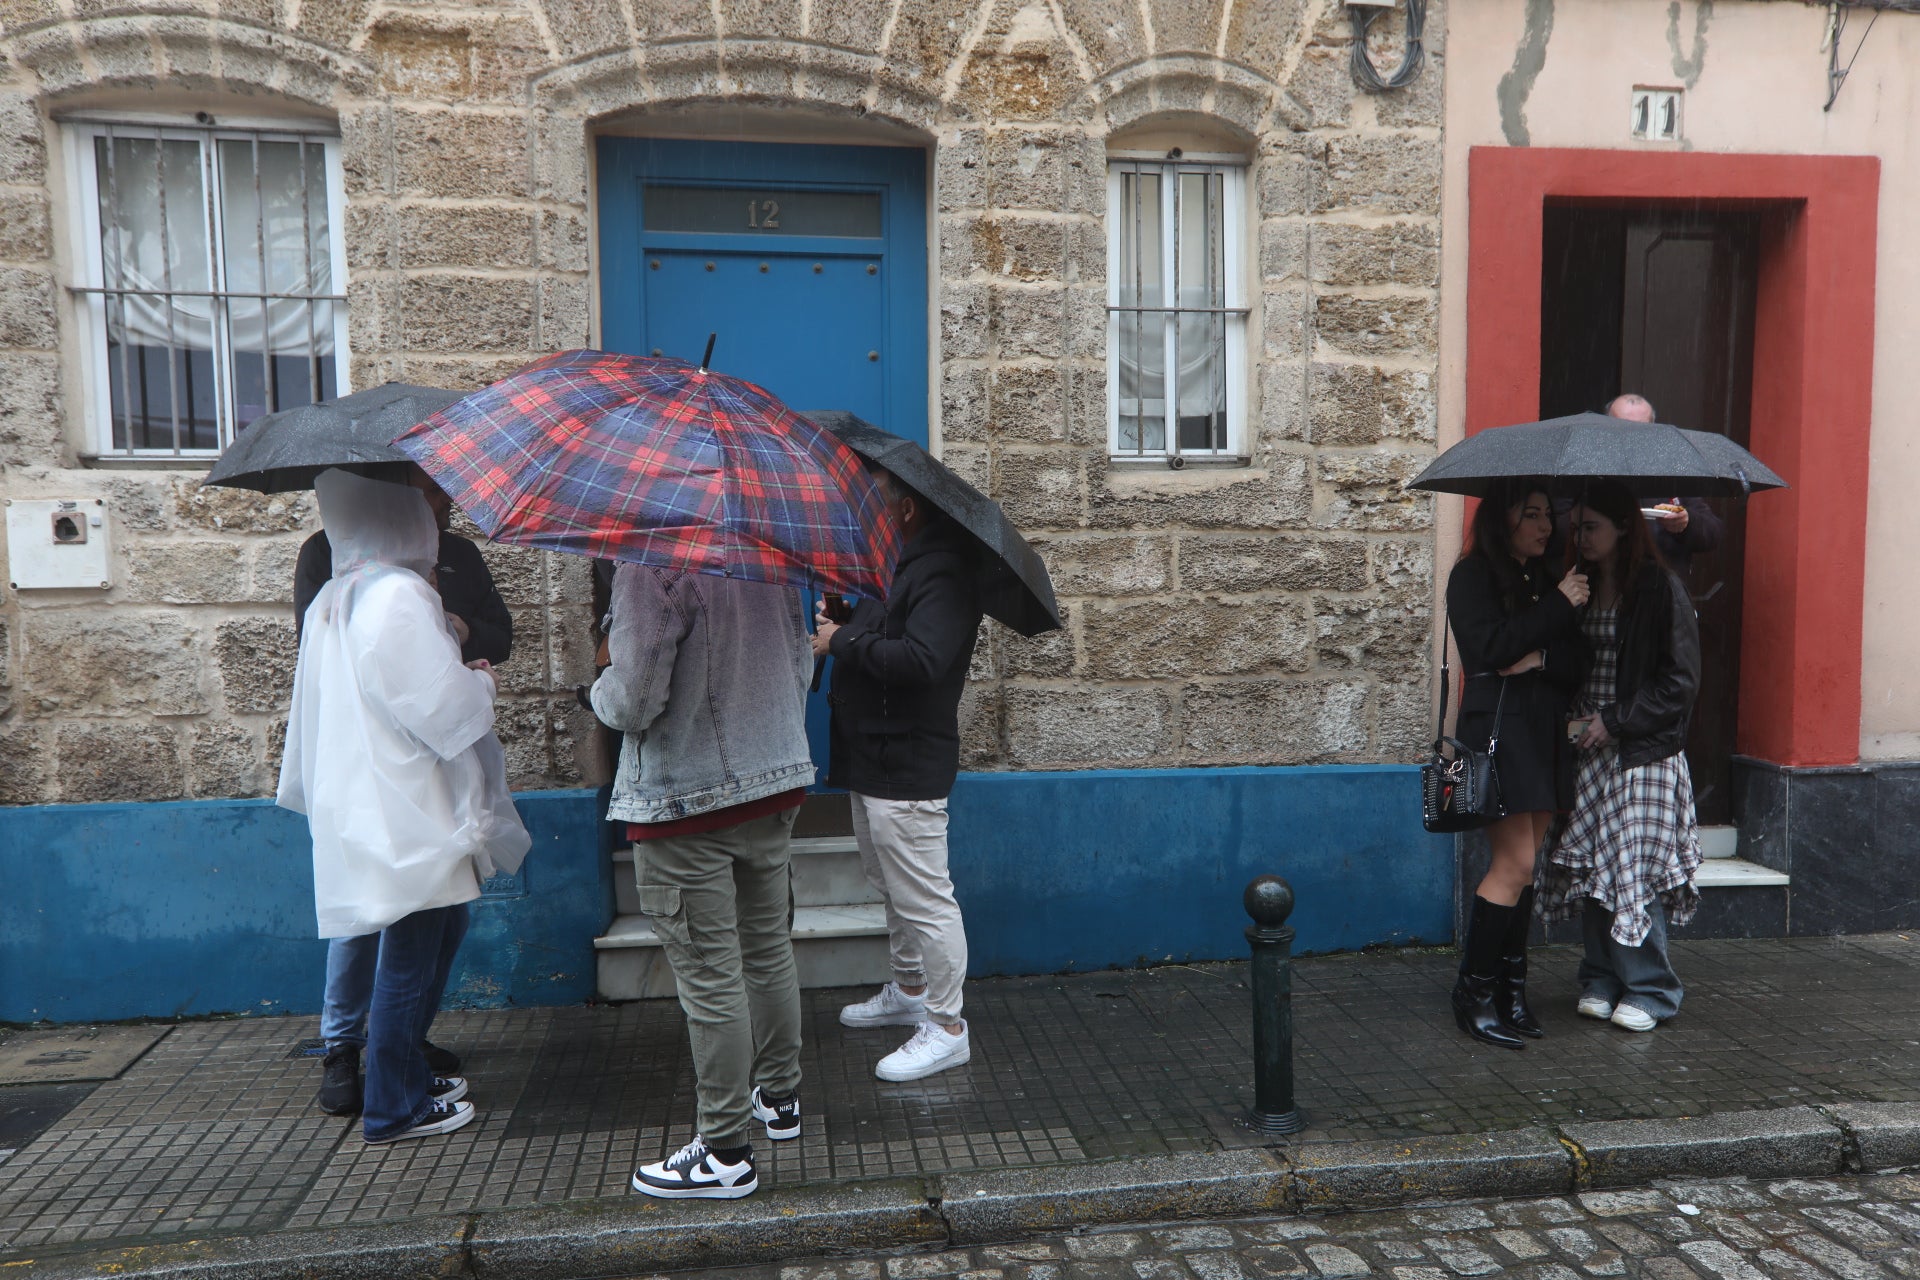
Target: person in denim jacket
x=708, y=683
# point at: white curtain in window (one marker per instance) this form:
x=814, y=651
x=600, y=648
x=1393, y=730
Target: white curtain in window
x=1194, y=247
x=156, y=227
x=153, y=237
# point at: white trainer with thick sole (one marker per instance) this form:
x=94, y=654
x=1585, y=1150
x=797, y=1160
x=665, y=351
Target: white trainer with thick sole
x=1628, y=1018
x=1594, y=1007
x=933, y=1049
x=891, y=1008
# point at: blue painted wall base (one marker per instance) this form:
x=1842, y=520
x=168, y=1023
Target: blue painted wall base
x=1107, y=869
x=163, y=910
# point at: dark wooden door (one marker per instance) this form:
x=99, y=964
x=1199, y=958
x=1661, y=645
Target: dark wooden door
x=1686, y=344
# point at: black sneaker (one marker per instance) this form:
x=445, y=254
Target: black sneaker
x=783, y=1118
x=340, y=1089
x=446, y=1089
x=444, y=1117
x=695, y=1173
x=442, y=1062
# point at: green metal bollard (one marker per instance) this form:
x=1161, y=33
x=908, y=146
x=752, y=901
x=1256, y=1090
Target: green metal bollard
x=1269, y=900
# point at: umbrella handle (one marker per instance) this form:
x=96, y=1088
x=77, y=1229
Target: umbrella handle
x=707, y=355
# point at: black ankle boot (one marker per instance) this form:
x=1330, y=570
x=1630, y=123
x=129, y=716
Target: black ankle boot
x=1474, y=1006
x=1511, y=995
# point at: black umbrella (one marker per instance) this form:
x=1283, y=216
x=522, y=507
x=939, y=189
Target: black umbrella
x=1649, y=457
x=284, y=451
x=1012, y=578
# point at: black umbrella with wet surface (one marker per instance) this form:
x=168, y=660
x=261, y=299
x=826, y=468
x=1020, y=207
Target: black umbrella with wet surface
x=1649, y=457
x=284, y=451
x=1011, y=577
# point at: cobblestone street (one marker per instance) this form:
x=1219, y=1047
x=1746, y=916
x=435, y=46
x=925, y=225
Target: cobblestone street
x=1850, y=1229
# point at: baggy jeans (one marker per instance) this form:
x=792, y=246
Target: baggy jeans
x=903, y=848
x=1641, y=976
x=416, y=955
x=719, y=901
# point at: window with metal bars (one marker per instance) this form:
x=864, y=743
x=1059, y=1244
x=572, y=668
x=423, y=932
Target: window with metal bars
x=211, y=287
x=1177, y=317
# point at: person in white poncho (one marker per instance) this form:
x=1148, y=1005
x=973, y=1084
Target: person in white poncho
x=392, y=758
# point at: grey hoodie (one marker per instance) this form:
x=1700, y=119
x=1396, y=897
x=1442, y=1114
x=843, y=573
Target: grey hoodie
x=709, y=685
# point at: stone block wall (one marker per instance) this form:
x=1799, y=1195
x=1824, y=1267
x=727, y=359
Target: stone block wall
x=1278, y=613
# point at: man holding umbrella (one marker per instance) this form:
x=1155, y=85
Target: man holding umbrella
x=900, y=667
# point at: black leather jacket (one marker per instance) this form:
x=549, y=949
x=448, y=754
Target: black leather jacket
x=1659, y=671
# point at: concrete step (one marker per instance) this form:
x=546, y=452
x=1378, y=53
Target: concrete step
x=834, y=946
x=1726, y=872
x=1719, y=842
x=826, y=873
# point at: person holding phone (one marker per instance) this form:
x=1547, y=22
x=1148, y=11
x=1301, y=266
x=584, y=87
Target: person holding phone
x=1521, y=658
x=900, y=666
x=1624, y=859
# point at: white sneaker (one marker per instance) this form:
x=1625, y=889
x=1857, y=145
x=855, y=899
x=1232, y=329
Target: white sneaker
x=891, y=1008
x=1594, y=1007
x=695, y=1173
x=933, y=1049
x=1628, y=1018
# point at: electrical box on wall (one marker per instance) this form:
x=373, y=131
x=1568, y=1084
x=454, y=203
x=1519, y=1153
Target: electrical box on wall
x=58, y=543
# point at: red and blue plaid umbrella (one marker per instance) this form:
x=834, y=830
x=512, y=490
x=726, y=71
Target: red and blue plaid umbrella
x=656, y=462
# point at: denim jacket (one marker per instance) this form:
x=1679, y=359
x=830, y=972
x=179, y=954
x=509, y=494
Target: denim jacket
x=709, y=685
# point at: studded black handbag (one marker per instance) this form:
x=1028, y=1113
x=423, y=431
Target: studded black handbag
x=1460, y=787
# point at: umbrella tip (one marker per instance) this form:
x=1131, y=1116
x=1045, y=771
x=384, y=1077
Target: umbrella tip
x=706, y=356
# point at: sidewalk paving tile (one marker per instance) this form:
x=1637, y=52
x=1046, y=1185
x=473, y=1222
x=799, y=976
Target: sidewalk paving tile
x=214, y=1129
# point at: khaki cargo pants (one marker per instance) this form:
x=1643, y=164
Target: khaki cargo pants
x=720, y=901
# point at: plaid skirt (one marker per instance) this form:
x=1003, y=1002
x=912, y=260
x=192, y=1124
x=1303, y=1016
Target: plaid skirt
x=1631, y=838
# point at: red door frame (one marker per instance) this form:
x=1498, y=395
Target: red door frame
x=1812, y=394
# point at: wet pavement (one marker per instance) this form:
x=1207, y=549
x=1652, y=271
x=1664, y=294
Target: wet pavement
x=213, y=1130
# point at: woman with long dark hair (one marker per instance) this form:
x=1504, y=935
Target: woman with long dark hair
x=1520, y=658
x=1625, y=857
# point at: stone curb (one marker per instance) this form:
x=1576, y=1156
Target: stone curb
x=624, y=1237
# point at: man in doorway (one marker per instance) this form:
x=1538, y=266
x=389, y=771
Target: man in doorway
x=708, y=681
x=479, y=620
x=1681, y=533
x=899, y=668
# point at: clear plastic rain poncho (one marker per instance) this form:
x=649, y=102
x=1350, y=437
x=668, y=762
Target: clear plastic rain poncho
x=390, y=748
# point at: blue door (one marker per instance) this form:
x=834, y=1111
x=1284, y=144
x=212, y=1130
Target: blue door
x=808, y=264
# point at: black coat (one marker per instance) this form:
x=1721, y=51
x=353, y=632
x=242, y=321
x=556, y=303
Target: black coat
x=1496, y=624
x=466, y=590
x=1495, y=632
x=899, y=667
x=1702, y=533
x=1659, y=672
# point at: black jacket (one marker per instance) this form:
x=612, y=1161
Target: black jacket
x=1494, y=632
x=1659, y=672
x=466, y=589
x=898, y=671
x=1702, y=533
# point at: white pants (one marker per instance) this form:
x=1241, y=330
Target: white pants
x=903, y=847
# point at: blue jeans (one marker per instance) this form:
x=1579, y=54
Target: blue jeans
x=416, y=955
x=343, y=1009
x=1641, y=976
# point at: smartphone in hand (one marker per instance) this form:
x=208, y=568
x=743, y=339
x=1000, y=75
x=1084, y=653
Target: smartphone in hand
x=836, y=608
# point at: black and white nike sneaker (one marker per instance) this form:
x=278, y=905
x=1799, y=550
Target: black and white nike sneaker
x=695, y=1173
x=783, y=1118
